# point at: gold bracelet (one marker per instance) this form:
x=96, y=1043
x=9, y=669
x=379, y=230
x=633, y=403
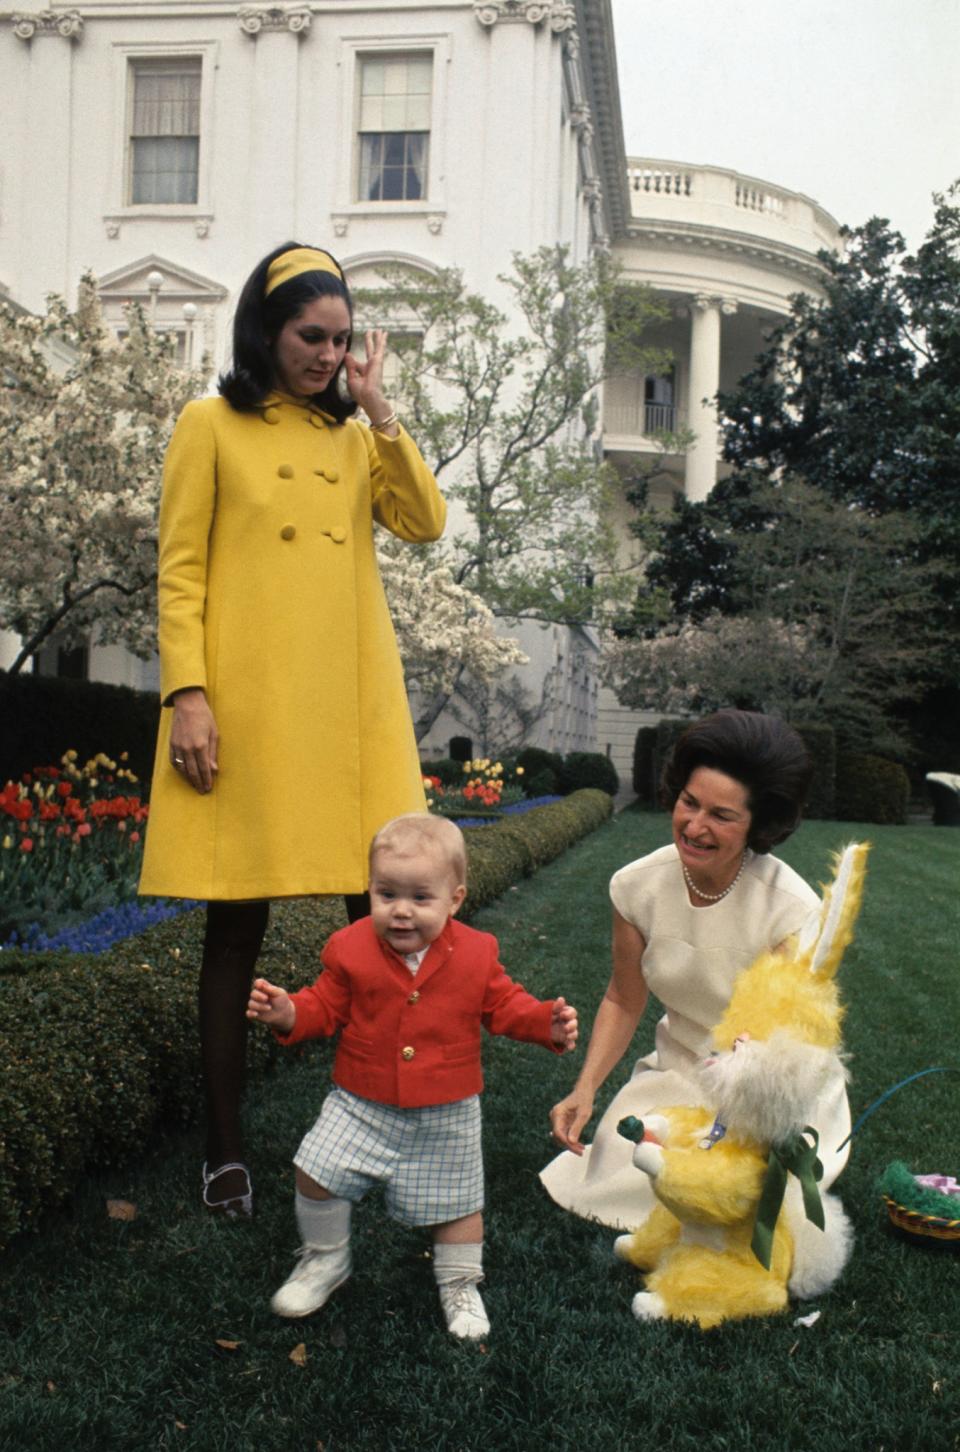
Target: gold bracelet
x=385, y=423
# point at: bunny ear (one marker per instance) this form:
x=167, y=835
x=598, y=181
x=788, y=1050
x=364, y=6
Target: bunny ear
x=841, y=904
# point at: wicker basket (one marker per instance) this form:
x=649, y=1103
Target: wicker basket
x=923, y=1227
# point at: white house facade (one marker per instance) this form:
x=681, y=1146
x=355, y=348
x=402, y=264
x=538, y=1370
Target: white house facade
x=165, y=145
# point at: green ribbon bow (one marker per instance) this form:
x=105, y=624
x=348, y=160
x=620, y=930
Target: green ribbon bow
x=797, y=1157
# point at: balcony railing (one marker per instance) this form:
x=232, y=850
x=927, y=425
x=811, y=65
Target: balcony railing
x=633, y=418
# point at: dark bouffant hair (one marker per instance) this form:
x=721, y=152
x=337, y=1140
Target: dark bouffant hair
x=762, y=753
x=257, y=324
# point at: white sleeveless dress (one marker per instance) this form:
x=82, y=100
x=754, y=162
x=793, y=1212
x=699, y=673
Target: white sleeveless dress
x=690, y=962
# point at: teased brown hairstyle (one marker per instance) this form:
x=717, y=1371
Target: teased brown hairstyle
x=761, y=752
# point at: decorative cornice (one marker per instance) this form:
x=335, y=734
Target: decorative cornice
x=691, y=236
x=559, y=15
x=253, y=19
x=67, y=24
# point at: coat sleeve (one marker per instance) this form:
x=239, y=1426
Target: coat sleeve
x=324, y=1007
x=510, y=1010
x=187, y=506
x=404, y=493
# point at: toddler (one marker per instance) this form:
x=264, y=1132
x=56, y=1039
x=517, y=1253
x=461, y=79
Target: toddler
x=408, y=987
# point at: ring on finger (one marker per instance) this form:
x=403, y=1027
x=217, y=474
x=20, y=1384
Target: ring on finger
x=178, y=761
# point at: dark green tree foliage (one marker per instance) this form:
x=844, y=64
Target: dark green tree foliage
x=831, y=398
x=840, y=523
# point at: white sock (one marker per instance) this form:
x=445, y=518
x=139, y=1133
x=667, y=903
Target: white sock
x=458, y=1264
x=323, y=1224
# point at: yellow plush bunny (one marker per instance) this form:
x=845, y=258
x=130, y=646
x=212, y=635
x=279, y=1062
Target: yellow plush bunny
x=740, y=1223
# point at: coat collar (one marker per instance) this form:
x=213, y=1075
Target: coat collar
x=437, y=954
x=276, y=398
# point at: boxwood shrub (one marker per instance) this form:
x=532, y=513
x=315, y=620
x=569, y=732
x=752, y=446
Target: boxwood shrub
x=96, y=1052
x=541, y=770
x=821, y=742
x=871, y=789
x=583, y=769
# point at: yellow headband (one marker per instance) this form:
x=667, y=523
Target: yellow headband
x=293, y=263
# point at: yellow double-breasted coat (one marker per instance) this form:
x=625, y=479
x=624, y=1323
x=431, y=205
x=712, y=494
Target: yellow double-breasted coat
x=270, y=599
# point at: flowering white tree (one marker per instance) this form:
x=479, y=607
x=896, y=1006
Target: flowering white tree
x=444, y=630
x=756, y=662
x=81, y=454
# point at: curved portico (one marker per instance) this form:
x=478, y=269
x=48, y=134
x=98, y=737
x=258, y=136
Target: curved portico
x=727, y=252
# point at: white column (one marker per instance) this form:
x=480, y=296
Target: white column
x=272, y=178
x=700, y=473
x=44, y=263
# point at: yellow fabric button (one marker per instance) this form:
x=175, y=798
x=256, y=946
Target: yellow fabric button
x=285, y=471
x=317, y=422
x=338, y=534
x=288, y=531
x=415, y=996
x=408, y=1053
x=331, y=476
x=271, y=415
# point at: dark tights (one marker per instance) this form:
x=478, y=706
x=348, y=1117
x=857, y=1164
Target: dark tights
x=231, y=947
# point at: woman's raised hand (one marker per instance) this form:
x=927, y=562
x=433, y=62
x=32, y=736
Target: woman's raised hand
x=194, y=739
x=365, y=380
x=569, y=1117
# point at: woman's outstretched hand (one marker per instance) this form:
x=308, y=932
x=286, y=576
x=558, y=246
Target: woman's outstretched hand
x=569, y=1118
x=194, y=739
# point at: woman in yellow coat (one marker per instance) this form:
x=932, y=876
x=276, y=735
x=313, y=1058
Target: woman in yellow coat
x=285, y=738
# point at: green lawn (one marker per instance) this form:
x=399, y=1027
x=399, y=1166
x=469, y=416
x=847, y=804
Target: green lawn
x=111, y=1330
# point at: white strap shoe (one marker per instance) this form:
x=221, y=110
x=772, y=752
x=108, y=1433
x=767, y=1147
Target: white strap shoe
x=313, y=1280
x=464, y=1311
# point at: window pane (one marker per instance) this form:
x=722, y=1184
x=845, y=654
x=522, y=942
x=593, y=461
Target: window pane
x=368, y=188
x=165, y=169
x=395, y=94
x=166, y=101
x=372, y=78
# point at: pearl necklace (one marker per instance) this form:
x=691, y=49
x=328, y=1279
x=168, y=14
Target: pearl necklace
x=713, y=896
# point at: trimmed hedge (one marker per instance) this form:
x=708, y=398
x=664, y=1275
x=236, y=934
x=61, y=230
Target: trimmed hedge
x=643, y=778
x=96, y=1052
x=42, y=716
x=871, y=789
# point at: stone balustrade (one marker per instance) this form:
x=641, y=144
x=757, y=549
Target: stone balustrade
x=715, y=197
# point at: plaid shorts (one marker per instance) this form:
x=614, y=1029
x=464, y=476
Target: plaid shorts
x=429, y=1160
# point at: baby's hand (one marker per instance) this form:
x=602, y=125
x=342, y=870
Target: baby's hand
x=563, y=1024
x=271, y=1005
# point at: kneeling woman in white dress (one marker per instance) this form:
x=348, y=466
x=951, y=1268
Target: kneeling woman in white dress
x=686, y=919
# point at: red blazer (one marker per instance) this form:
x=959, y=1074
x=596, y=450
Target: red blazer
x=414, y=1040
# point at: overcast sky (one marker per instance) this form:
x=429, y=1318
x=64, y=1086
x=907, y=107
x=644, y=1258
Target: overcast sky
x=854, y=102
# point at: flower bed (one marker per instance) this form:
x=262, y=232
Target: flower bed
x=485, y=793
x=70, y=845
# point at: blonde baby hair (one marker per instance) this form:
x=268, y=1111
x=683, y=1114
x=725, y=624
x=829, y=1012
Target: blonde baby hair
x=420, y=830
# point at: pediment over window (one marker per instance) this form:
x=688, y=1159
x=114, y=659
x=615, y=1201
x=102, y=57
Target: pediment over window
x=132, y=283
x=175, y=299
